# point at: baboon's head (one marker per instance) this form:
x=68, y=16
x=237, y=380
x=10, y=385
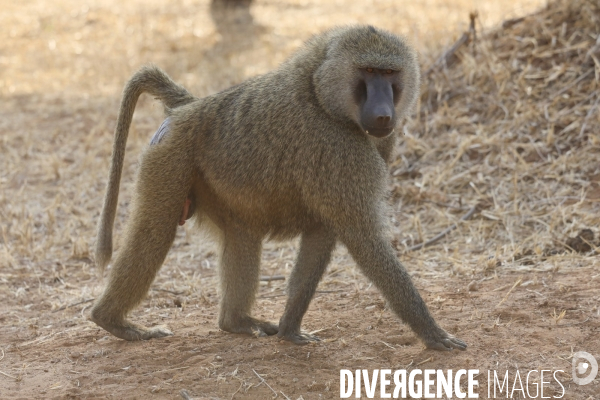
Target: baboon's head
x=369, y=76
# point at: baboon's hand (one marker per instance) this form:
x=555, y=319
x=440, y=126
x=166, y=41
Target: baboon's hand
x=300, y=338
x=442, y=340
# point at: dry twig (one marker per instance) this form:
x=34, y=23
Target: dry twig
x=183, y=393
x=445, y=59
x=269, y=278
x=517, y=283
x=262, y=380
x=440, y=235
x=74, y=304
x=10, y=376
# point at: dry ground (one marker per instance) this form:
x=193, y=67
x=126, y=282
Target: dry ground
x=513, y=128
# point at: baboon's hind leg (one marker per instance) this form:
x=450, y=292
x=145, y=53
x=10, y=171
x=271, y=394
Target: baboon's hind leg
x=239, y=269
x=162, y=186
x=315, y=251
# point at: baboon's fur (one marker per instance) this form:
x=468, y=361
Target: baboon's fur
x=279, y=155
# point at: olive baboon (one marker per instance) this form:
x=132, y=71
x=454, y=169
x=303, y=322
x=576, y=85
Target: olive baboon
x=232, y=3
x=301, y=151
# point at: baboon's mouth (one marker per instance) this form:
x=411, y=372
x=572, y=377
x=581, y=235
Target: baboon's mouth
x=378, y=132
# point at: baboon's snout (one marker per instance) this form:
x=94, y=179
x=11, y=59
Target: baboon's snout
x=378, y=113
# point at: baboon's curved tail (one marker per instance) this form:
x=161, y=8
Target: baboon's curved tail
x=152, y=80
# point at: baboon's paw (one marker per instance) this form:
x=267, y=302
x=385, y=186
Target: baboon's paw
x=444, y=341
x=151, y=333
x=264, y=329
x=299, y=338
x=251, y=326
x=133, y=332
x=137, y=332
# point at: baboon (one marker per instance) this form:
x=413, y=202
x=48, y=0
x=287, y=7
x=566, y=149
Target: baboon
x=301, y=150
x=231, y=16
x=232, y=3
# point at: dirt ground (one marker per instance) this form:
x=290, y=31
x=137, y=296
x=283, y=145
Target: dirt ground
x=491, y=282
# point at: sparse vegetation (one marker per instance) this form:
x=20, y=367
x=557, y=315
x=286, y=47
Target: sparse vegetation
x=510, y=125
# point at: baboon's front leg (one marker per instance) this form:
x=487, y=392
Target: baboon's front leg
x=239, y=270
x=163, y=183
x=376, y=258
x=315, y=251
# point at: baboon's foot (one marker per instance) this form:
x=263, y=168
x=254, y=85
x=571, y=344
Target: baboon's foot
x=130, y=331
x=248, y=325
x=300, y=338
x=442, y=340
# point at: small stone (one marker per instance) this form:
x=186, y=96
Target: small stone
x=473, y=286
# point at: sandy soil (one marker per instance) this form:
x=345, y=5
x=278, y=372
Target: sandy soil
x=60, y=355
x=62, y=67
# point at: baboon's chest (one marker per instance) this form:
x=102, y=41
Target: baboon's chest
x=278, y=213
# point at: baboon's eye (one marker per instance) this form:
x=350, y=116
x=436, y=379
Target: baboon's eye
x=360, y=92
x=370, y=70
x=389, y=71
x=397, y=91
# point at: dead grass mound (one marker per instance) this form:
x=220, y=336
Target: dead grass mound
x=508, y=121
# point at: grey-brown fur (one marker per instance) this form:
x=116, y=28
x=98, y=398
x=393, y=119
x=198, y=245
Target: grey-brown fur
x=278, y=156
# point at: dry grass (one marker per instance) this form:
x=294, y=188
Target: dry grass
x=511, y=125
x=75, y=48
x=62, y=71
